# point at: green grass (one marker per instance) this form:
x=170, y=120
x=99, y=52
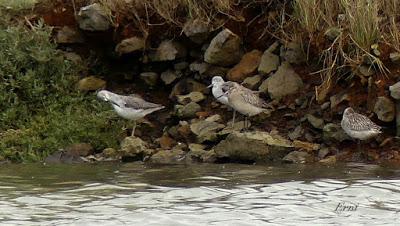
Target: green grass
x=41, y=109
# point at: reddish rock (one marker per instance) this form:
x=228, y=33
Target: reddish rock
x=246, y=67
x=166, y=142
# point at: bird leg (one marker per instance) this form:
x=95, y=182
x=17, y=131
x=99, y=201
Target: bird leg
x=133, y=129
x=233, y=120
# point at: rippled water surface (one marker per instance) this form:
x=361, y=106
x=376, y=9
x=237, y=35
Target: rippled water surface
x=137, y=194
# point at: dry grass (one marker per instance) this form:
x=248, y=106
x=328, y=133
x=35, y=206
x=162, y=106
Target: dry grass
x=363, y=23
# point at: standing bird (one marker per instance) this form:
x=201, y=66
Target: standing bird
x=359, y=126
x=129, y=107
x=216, y=84
x=243, y=100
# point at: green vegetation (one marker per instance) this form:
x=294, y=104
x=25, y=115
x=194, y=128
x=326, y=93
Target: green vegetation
x=41, y=111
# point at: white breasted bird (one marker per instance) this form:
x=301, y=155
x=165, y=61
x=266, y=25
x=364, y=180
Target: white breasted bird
x=243, y=100
x=131, y=107
x=359, y=126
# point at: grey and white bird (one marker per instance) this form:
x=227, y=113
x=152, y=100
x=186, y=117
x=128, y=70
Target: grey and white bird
x=359, y=126
x=218, y=93
x=244, y=100
x=216, y=84
x=131, y=107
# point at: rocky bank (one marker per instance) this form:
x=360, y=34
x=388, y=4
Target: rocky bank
x=175, y=71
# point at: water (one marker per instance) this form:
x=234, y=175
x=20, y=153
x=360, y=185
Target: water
x=137, y=194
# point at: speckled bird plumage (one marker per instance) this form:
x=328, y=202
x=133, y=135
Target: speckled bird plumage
x=244, y=100
x=359, y=126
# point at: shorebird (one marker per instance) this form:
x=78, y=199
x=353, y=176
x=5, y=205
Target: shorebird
x=131, y=107
x=359, y=126
x=216, y=84
x=243, y=100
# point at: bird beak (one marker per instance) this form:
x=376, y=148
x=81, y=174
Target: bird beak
x=210, y=86
x=221, y=96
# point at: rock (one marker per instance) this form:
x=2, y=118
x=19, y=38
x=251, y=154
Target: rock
x=253, y=146
x=385, y=109
x=187, y=111
x=296, y=133
x=293, y=53
x=73, y=57
x=338, y=98
x=366, y=71
x=205, y=130
x=252, y=82
x=395, y=57
x=334, y=132
x=63, y=157
x=298, y=157
x=134, y=148
x=264, y=86
x=80, y=149
x=197, y=152
x=181, y=66
x=332, y=33
x=238, y=126
x=284, y=82
x=184, y=129
x=166, y=142
x=323, y=153
x=331, y=160
x=110, y=153
x=191, y=97
x=185, y=86
x=395, y=91
x=224, y=49
x=169, y=50
x=94, y=18
x=168, y=77
x=325, y=105
x=173, y=156
x=130, y=45
x=68, y=35
x=200, y=67
x=269, y=62
x=317, y=123
x=214, y=118
x=306, y=146
x=150, y=78
x=246, y=67
x=91, y=83
x=196, y=30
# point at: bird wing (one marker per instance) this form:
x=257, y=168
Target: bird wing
x=251, y=97
x=361, y=122
x=136, y=102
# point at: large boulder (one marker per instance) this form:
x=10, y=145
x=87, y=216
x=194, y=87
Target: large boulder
x=224, y=49
x=246, y=67
x=94, y=17
x=253, y=146
x=284, y=82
